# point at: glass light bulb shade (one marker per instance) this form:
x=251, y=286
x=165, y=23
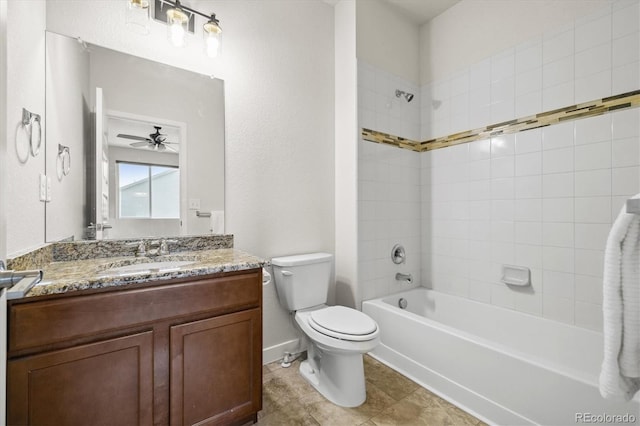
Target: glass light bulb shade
x=177, y=16
x=140, y=4
x=212, y=34
x=177, y=22
x=137, y=16
x=176, y=35
x=212, y=46
x=212, y=39
x=211, y=27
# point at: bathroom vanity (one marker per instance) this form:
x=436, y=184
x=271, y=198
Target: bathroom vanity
x=177, y=347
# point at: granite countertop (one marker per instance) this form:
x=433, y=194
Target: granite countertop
x=66, y=276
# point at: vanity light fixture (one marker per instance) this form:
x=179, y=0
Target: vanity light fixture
x=180, y=20
x=211, y=33
x=137, y=16
x=177, y=21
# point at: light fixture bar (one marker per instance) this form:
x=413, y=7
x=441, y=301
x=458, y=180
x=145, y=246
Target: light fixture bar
x=188, y=9
x=160, y=13
x=160, y=16
x=180, y=19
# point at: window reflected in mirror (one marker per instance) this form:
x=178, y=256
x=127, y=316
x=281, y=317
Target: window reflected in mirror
x=148, y=191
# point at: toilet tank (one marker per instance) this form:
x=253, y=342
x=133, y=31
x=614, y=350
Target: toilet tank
x=302, y=281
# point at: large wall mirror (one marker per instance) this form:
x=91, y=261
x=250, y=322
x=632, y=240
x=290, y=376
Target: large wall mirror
x=134, y=148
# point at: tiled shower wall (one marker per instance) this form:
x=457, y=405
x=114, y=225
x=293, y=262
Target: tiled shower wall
x=543, y=198
x=389, y=213
x=389, y=210
x=594, y=57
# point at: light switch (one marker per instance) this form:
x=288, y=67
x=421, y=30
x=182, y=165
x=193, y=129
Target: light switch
x=43, y=187
x=48, y=189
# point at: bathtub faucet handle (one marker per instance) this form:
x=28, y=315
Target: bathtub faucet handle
x=404, y=277
x=398, y=254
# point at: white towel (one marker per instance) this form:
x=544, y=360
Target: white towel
x=217, y=222
x=620, y=374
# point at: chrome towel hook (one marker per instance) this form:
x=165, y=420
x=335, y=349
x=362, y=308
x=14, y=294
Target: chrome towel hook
x=63, y=162
x=31, y=124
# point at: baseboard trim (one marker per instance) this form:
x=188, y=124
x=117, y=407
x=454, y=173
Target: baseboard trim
x=276, y=352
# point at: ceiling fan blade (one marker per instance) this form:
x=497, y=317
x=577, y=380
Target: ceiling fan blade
x=171, y=149
x=137, y=144
x=173, y=143
x=135, y=138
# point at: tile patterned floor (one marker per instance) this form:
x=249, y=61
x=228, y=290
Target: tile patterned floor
x=392, y=399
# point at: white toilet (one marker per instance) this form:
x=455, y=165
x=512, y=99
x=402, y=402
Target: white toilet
x=338, y=336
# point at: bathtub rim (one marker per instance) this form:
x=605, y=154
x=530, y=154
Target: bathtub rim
x=558, y=368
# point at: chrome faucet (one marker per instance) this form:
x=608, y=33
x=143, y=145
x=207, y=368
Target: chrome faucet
x=141, y=248
x=152, y=248
x=404, y=277
x=163, y=247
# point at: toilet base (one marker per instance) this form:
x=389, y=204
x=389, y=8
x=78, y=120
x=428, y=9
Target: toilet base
x=338, y=377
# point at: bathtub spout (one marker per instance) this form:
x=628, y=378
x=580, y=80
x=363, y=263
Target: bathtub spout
x=404, y=277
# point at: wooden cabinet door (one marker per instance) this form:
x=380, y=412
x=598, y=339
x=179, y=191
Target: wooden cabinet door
x=104, y=383
x=216, y=369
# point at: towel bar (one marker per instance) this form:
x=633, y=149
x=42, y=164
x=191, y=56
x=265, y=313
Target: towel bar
x=633, y=206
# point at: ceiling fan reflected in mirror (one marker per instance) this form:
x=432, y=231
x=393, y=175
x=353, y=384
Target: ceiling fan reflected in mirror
x=156, y=141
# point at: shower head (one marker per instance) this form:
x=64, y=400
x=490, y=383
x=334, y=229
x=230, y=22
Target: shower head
x=407, y=96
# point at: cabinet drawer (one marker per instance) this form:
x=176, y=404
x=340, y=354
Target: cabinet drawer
x=40, y=323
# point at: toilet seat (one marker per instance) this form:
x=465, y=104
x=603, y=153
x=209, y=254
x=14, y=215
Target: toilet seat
x=343, y=323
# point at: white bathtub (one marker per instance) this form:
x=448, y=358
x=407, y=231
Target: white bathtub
x=503, y=366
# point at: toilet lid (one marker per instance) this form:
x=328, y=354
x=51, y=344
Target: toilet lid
x=343, y=323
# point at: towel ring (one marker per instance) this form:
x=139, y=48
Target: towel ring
x=63, y=162
x=33, y=127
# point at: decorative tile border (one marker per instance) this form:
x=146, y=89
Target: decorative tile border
x=574, y=112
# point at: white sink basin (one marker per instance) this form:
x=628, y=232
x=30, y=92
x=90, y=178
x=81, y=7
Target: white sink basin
x=148, y=267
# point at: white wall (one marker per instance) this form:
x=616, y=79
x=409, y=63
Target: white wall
x=280, y=134
x=387, y=39
x=277, y=63
x=346, y=155
x=475, y=29
x=69, y=124
x=25, y=89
